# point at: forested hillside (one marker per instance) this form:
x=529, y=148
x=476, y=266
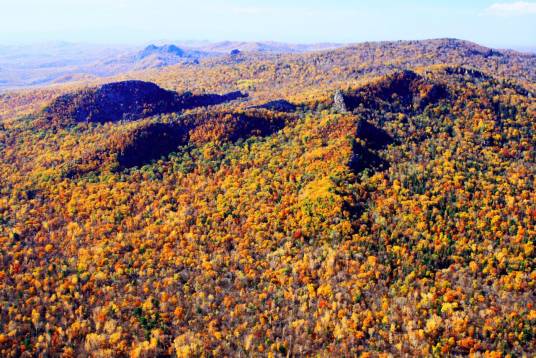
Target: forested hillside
x=374, y=200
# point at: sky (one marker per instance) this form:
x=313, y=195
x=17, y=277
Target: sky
x=500, y=23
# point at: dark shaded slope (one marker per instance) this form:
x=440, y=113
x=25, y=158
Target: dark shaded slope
x=232, y=126
x=363, y=155
x=154, y=140
x=374, y=137
x=405, y=90
x=405, y=107
x=194, y=101
x=151, y=142
x=279, y=105
x=148, y=140
x=401, y=92
x=127, y=100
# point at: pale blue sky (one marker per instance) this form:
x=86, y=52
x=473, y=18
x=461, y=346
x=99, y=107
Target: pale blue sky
x=500, y=23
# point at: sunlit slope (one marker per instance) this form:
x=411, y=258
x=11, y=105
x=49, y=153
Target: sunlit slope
x=402, y=223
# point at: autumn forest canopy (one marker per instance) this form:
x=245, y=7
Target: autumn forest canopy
x=372, y=200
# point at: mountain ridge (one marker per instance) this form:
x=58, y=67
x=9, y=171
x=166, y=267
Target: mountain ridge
x=355, y=203
x=126, y=60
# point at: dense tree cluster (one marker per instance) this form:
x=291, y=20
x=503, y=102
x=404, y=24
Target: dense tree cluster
x=404, y=225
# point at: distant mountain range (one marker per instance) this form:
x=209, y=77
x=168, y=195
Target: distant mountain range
x=61, y=62
x=266, y=47
x=154, y=56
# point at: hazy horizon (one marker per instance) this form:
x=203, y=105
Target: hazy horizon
x=499, y=24
x=194, y=43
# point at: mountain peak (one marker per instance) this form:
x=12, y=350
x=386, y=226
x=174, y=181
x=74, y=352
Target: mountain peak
x=168, y=49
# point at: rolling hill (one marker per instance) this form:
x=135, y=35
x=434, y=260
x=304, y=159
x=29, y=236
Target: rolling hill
x=374, y=199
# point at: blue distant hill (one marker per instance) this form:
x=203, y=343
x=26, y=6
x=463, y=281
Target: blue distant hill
x=161, y=50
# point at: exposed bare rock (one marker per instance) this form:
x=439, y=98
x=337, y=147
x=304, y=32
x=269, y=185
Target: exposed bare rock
x=339, y=102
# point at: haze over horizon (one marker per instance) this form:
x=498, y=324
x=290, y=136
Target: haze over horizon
x=498, y=23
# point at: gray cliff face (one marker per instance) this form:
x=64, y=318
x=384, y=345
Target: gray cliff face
x=339, y=103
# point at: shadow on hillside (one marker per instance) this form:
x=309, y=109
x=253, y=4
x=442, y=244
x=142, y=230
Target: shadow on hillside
x=363, y=156
x=152, y=142
x=403, y=91
x=127, y=100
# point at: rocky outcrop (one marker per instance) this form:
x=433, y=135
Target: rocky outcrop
x=339, y=102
